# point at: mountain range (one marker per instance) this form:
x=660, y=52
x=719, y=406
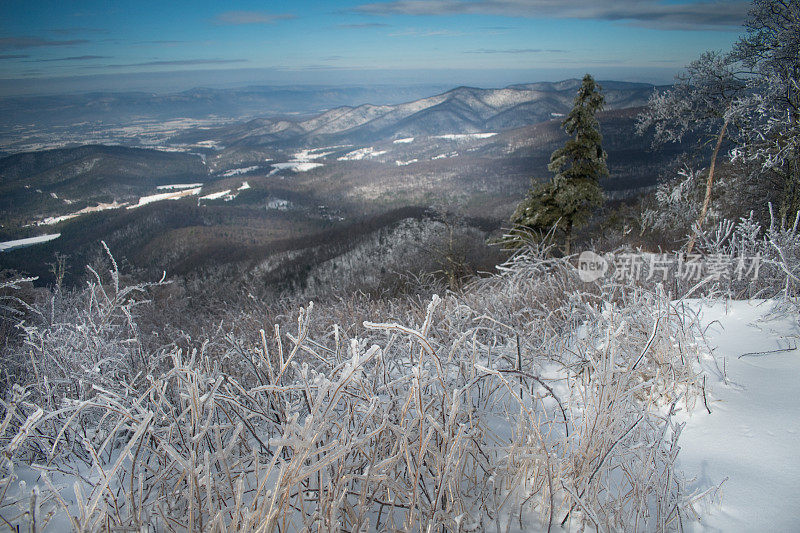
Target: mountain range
x=199, y=103
x=458, y=111
x=283, y=188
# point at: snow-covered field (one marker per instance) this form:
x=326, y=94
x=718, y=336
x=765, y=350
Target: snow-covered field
x=304, y=160
x=216, y=195
x=49, y=221
x=238, y=171
x=178, y=186
x=311, y=154
x=30, y=241
x=176, y=191
x=294, y=166
x=362, y=153
x=749, y=442
x=227, y=194
x=465, y=136
x=208, y=144
x=144, y=200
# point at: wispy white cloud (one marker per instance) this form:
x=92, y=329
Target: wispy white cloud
x=516, y=51
x=164, y=42
x=79, y=31
x=657, y=14
x=19, y=43
x=178, y=62
x=73, y=58
x=414, y=32
x=238, y=18
x=365, y=25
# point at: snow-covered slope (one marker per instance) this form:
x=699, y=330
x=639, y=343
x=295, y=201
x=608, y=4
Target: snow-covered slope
x=750, y=439
x=30, y=241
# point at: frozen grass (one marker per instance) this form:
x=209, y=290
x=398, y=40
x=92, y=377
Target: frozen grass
x=513, y=405
x=529, y=400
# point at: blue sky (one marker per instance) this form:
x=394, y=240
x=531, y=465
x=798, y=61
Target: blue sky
x=344, y=42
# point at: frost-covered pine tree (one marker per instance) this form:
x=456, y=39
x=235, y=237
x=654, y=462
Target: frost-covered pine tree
x=568, y=200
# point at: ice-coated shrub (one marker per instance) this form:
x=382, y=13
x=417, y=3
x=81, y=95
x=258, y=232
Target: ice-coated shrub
x=775, y=250
x=527, y=400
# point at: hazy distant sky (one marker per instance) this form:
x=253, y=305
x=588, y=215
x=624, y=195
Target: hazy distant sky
x=125, y=43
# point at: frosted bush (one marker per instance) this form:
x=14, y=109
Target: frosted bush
x=677, y=202
x=527, y=400
x=777, y=249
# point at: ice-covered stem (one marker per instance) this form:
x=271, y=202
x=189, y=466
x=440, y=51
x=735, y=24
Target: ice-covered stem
x=710, y=181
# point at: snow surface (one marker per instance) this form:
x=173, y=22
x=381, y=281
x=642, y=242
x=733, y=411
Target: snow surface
x=216, y=195
x=208, y=144
x=49, y=221
x=404, y=141
x=311, y=154
x=362, y=153
x=465, y=136
x=303, y=161
x=227, y=194
x=30, y=241
x=144, y=200
x=404, y=163
x=751, y=436
x=237, y=171
x=278, y=204
x=294, y=166
x=176, y=186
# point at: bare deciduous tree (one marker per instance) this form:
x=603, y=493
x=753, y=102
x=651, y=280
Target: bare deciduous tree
x=701, y=101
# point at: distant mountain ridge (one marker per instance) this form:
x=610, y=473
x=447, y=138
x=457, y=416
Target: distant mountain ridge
x=199, y=103
x=460, y=110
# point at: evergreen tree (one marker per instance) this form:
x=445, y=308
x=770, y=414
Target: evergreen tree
x=568, y=200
